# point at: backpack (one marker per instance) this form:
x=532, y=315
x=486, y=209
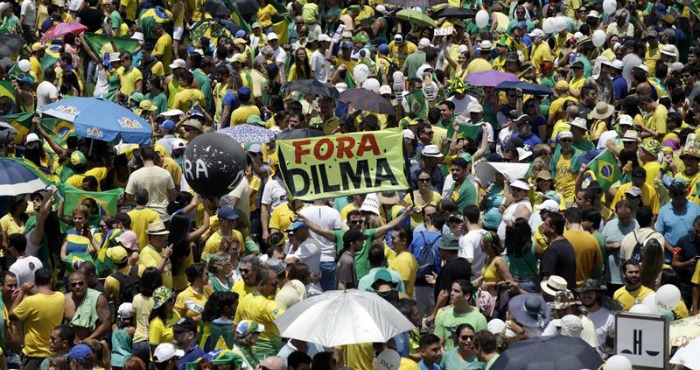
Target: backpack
x=426, y=258
x=146, y=72
x=128, y=285
x=638, y=249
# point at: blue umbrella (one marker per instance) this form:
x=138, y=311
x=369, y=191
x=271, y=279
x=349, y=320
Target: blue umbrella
x=247, y=134
x=15, y=179
x=99, y=119
x=526, y=87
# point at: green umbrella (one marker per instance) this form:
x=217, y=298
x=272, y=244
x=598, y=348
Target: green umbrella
x=416, y=17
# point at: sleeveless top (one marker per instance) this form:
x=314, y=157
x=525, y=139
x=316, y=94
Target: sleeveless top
x=86, y=312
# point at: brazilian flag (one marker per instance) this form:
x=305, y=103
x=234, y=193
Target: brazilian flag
x=605, y=169
x=74, y=260
x=225, y=357
x=22, y=122
x=417, y=105
x=106, y=200
x=149, y=17
x=240, y=21
x=97, y=43
x=6, y=90
x=59, y=129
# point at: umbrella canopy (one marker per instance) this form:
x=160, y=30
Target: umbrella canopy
x=217, y=8
x=247, y=133
x=364, y=99
x=10, y=45
x=213, y=28
x=416, y=17
x=313, y=87
x=100, y=119
x=453, y=12
x=299, y=133
x=59, y=30
x=414, y=3
x=336, y=318
x=486, y=171
x=688, y=354
x=555, y=352
x=526, y=87
x=490, y=78
x=247, y=7
x=16, y=179
x=6, y=126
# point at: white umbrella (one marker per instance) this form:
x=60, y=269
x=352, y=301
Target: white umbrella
x=687, y=355
x=486, y=171
x=336, y=318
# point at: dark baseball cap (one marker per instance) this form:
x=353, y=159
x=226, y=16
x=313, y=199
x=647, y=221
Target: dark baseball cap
x=185, y=325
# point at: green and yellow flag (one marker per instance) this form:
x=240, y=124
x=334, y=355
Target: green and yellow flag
x=22, y=122
x=417, y=105
x=7, y=90
x=605, y=170
x=106, y=200
x=58, y=129
x=97, y=43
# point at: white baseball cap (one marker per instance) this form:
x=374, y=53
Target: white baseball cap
x=32, y=138
x=424, y=43
x=549, y=205
x=408, y=134
x=165, y=352
x=384, y=89
x=178, y=63
x=323, y=38
x=126, y=310
x=272, y=36
x=537, y=33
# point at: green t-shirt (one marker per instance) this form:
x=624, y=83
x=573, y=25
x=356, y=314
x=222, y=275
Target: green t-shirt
x=447, y=321
x=361, y=257
x=160, y=101
x=464, y=196
x=115, y=20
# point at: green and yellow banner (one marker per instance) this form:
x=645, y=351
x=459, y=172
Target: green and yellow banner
x=345, y=164
x=22, y=122
x=106, y=200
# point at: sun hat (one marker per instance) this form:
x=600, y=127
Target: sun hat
x=651, y=146
x=166, y=352
x=569, y=325
x=148, y=106
x=530, y=310
x=161, y=296
x=591, y=285
x=579, y=122
x=117, y=254
x=548, y=205
x=625, y=120
x=475, y=107
x=388, y=197
x=563, y=300
x=193, y=123
x=554, y=285
x=128, y=240
x=32, y=138
x=602, y=110
x=630, y=136
x=449, y=242
x=669, y=50
x=544, y=175
x=565, y=135
x=431, y=151
x=157, y=228
x=485, y=45
x=247, y=327
x=137, y=97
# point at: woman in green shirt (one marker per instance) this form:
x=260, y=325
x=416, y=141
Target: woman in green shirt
x=155, y=94
x=462, y=357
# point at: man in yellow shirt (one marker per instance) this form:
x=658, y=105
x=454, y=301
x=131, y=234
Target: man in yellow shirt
x=655, y=125
x=249, y=268
x=188, y=97
x=130, y=77
x=120, y=257
x=649, y=196
x=653, y=53
x=40, y=311
x=263, y=310
x=157, y=253
x=227, y=227
x=399, y=49
x=164, y=46
x=241, y=114
x=128, y=8
x=142, y=216
x=404, y=263
x=540, y=49
x=633, y=292
x=35, y=61
x=481, y=64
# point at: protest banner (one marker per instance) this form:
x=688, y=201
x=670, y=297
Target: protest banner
x=346, y=164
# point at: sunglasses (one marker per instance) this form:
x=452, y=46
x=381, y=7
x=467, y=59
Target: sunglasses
x=356, y=222
x=244, y=271
x=77, y=284
x=466, y=337
x=423, y=180
x=565, y=140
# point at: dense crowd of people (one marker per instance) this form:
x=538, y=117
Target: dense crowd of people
x=539, y=209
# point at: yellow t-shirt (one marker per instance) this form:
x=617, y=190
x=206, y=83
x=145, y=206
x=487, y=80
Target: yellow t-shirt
x=417, y=218
x=629, y=299
x=180, y=279
x=261, y=310
x=241, y=114
x=241, y=289
x=213, y=244
x=164, y=48
x=399, y=53
x=150, y=257
x=220, y=91
x=657, y=121
x=555, y=107
x=358, y=356
x=129, y=9
x=587, y=252
x=141, y=217
x=282, y=217
x=35, y=68
x=192, y=302
x=651, y=57
x=577, y=83
x=186, y=98
x=265, y=17
x=129, y=79
x=347, y=209
x=478, y=65
x=40, y=314
x=564, y=180
x=159, y=332
x=539, y=54
x=406, y=265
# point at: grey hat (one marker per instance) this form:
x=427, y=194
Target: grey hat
x=276, y=265
x=449, y=242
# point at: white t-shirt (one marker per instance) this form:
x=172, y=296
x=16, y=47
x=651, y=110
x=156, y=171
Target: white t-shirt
x=28, y=10
x=320, y=66
x=470, y=248
x=274, y=193
x=157, y=181
x=309, y=253
x=461, y=105
x=44, y=93
x=327, y=218
x=24, y=269
x=508, y=216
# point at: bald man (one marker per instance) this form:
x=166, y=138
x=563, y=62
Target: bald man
x=273, y=363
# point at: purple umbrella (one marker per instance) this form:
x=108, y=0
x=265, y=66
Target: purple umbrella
x=490, y=78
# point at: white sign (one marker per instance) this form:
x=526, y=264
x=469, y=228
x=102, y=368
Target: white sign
x=444, y=31
x=643, y=339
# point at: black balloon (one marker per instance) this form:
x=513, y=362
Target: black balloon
x=214, y=164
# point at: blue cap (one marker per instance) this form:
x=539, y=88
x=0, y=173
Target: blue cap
x=168, y=125
x=240, y=33
x=383, y=48
x=79, y=352
x=197, y=113
x=346, y=45
x=272, y=68
x=244, y=93
x=296, y=225
x=228, y=213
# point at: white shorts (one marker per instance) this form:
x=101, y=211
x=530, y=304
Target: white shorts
x=178, y=32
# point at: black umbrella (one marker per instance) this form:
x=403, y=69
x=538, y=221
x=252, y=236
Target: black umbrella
x=452, y=12
x=556, y=352
x=363, y=99
x=414, y=3
x=10, y=45
x=217, y=8
x=313, y=87
x=299, y=133
x=526, y=87
x=247, y=7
